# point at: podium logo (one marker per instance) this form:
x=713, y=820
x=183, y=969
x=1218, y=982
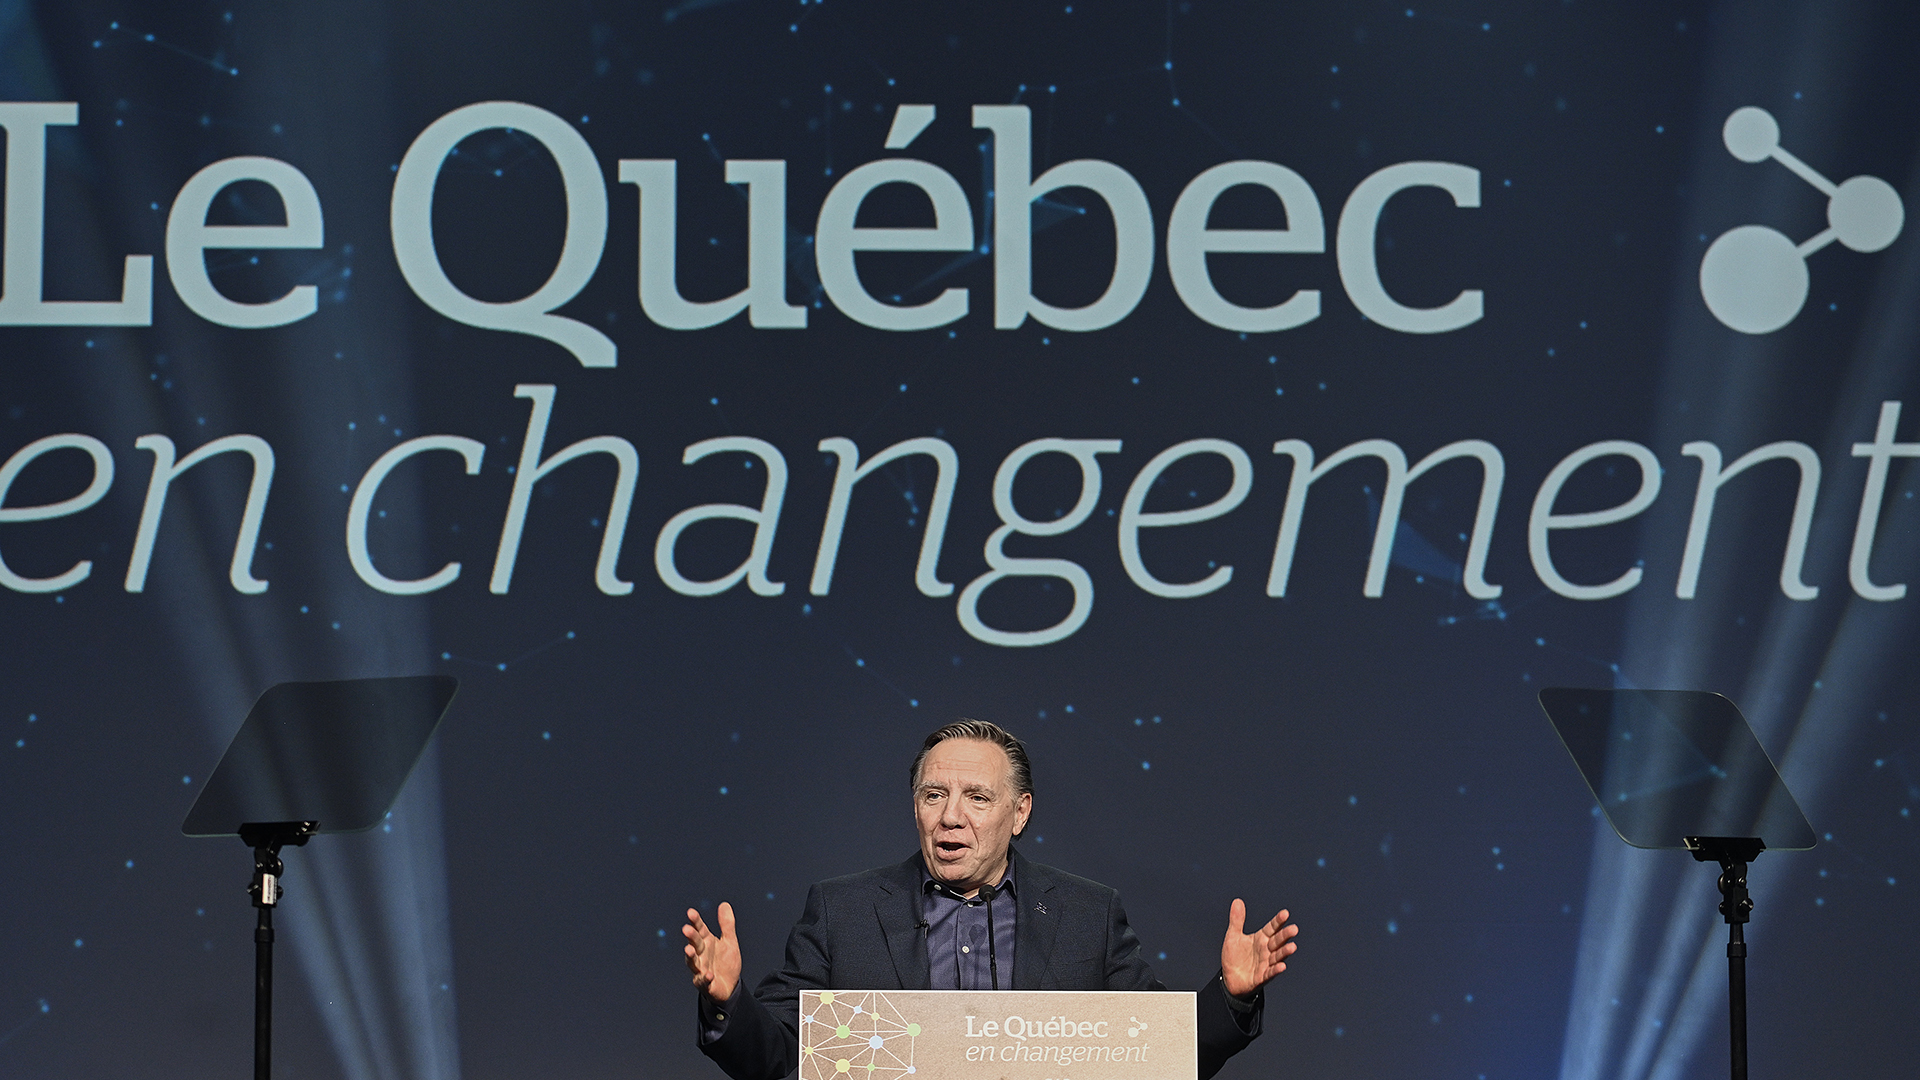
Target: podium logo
x=1753, y=278
x=861, y=1033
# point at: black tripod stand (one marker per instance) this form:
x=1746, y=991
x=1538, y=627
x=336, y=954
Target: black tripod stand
x=1733, y=853
x=266, y=839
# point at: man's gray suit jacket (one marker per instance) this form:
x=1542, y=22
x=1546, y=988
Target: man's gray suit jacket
x=867, y=932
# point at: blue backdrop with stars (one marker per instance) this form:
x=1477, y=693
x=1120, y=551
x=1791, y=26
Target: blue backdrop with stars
x=1378, y=764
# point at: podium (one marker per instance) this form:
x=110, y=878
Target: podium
x=1002, y=1034
x=1681, y=769
x=312, y=758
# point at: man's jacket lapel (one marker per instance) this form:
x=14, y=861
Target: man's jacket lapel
x=902, y=922
x=1034, y=926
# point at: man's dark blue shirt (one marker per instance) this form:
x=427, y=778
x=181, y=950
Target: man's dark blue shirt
x=957, y=953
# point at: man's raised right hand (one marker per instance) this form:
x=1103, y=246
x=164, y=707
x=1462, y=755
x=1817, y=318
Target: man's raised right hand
x=714, y=960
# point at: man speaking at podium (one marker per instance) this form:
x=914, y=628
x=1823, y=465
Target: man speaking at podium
x=966, y=912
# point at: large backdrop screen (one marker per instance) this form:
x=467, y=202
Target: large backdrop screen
x=1251, y=406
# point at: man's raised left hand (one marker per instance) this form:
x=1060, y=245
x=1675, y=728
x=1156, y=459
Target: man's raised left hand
x=1247, y=961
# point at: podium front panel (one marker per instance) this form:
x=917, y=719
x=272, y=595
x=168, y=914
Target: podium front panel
x=1003, y=1035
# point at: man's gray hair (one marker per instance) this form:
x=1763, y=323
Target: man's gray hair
x=985, y=731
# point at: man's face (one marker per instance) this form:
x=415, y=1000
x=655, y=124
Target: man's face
x=968, y=813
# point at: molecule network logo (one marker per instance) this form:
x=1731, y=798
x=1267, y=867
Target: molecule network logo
x=1753, y=278
x=856, y=1037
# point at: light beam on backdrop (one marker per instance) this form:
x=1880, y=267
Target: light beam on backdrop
x=1649, y=989
x=371, y=929
x=371, y=926
x=1850, y=662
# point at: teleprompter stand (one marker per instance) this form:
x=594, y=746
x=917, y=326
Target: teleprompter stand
x=312, y=758
x=1682, y=769
x=1733, y=854
x=266, y=839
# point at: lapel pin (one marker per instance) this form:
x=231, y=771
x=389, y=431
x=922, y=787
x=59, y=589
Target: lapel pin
x=1039, y=907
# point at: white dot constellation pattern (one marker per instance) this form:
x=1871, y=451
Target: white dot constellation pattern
x=1753, y=278
x=861, y=1036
